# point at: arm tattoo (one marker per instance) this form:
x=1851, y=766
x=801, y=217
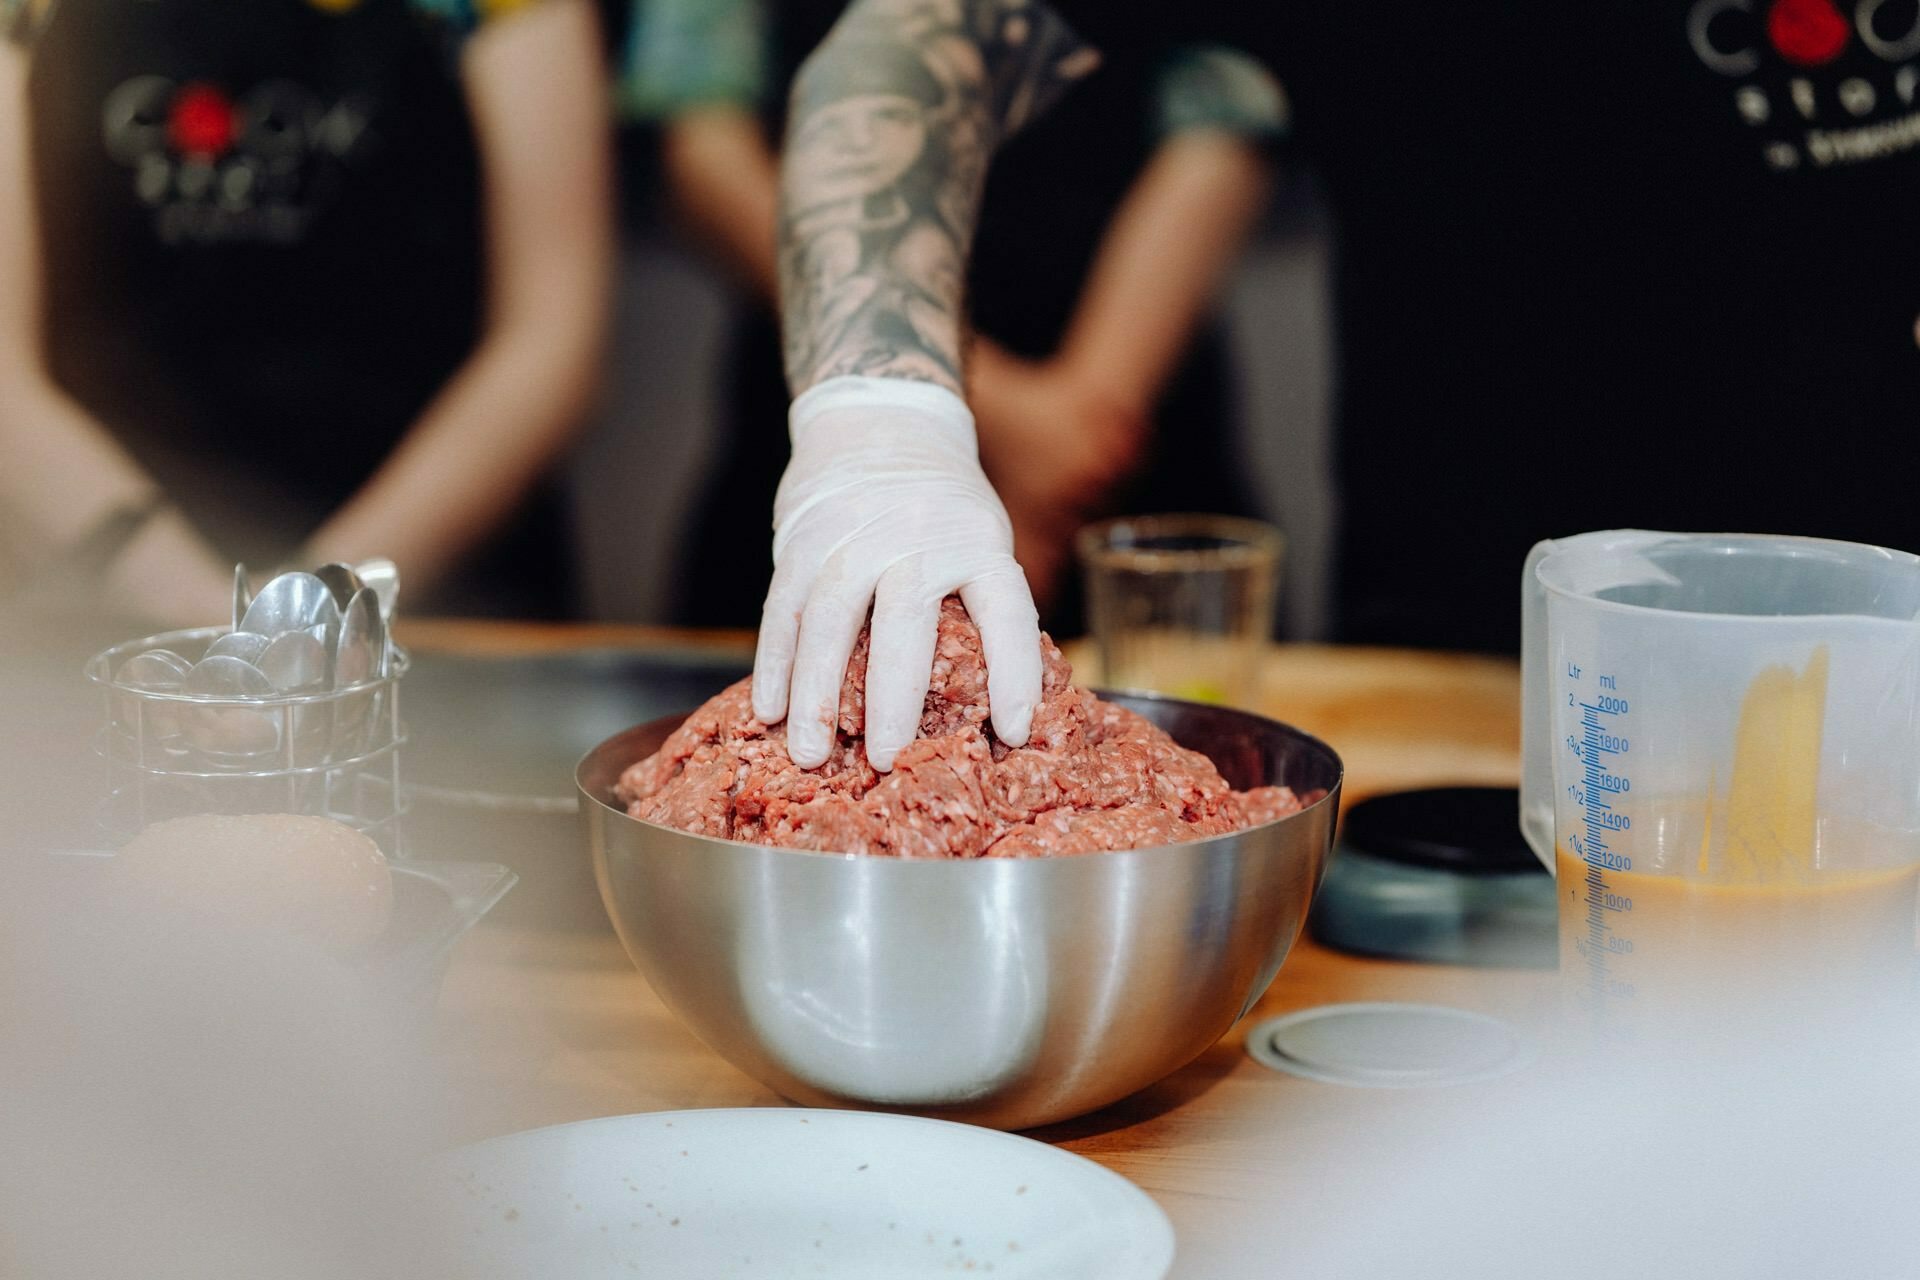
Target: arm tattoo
x=892, y=123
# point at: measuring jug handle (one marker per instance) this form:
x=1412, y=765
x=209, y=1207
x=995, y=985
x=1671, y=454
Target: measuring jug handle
x=1536, y=711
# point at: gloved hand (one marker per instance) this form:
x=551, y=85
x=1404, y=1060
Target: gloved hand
x=884, y=502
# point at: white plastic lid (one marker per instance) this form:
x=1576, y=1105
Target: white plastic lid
x=1389, y=1046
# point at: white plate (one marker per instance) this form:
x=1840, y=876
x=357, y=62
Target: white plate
x=782, y=1192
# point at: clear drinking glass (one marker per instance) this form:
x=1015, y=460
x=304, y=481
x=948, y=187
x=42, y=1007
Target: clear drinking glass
x=1182, y=604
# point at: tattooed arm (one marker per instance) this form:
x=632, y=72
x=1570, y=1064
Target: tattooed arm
x=883, y=502
x=893, y=120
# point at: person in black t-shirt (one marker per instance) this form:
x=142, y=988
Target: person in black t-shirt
x=313, y=279
x=1596, y=267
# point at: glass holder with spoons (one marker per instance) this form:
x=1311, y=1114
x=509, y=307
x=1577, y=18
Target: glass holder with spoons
x=292, y=708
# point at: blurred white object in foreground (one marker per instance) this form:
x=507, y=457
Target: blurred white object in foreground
x=186, y=1097
x=1794, y=1157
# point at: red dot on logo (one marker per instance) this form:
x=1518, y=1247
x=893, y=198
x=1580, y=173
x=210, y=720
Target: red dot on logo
x=1807, y=32
x=201, y=121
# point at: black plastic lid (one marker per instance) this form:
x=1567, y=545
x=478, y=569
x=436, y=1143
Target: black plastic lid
x=1467, y=830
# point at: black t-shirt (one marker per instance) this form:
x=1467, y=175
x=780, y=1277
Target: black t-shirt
x=1596, y=266
x=1599, y=266
x=262, y=246
x=260, y=226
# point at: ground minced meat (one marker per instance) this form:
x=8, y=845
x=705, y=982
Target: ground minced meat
x=1093, y=776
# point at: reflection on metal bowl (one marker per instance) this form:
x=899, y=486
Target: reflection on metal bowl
x=1005, y=992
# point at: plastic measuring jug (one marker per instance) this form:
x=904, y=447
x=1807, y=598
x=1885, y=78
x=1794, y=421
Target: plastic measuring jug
x=1721, y=743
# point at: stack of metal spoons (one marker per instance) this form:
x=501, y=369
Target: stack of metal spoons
x=302, y=633
x=301, y=636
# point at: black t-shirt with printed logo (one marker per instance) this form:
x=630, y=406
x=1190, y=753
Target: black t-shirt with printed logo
x=261, y=237
x=1591, y=278
x=1603, y=266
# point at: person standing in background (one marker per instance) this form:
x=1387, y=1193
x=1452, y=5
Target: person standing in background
x=1098, y=379
x=297, y=280
x=1651, y=267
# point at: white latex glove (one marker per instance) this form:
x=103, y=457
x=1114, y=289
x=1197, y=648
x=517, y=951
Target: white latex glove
x=884, y=502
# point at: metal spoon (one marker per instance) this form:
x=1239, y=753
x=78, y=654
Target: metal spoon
x=359, y=659
x=382, y=639
x=150, y=720
x=384, y=577
x=361, y=653
x=291, y=602
x=224, y=733
x=294, y=662
x=244, y=645
x=242, y=597
x=221, y=676
x=156, y=671
x=341, y=580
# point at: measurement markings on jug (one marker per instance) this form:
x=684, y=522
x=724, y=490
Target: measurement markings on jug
x=1600, y=747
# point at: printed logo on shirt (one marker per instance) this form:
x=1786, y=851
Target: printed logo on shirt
x=1822, y=83
x=219, y=169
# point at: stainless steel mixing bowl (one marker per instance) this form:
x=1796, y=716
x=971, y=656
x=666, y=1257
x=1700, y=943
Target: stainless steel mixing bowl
x=1006, y=992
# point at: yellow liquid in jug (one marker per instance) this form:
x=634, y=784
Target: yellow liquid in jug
x=1675, y=940
x=1757, y=889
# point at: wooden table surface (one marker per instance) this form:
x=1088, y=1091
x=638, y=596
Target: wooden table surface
x=541, y=1026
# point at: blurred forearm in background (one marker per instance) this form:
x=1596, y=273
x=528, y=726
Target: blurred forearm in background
x=513, y=406
x=724, y=180
x=699, y=69
x=1058, y=435
x=64, y=475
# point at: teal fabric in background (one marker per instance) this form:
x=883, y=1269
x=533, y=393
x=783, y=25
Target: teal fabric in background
x=18, y=18
x=682, y=54
x=1219, y=88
